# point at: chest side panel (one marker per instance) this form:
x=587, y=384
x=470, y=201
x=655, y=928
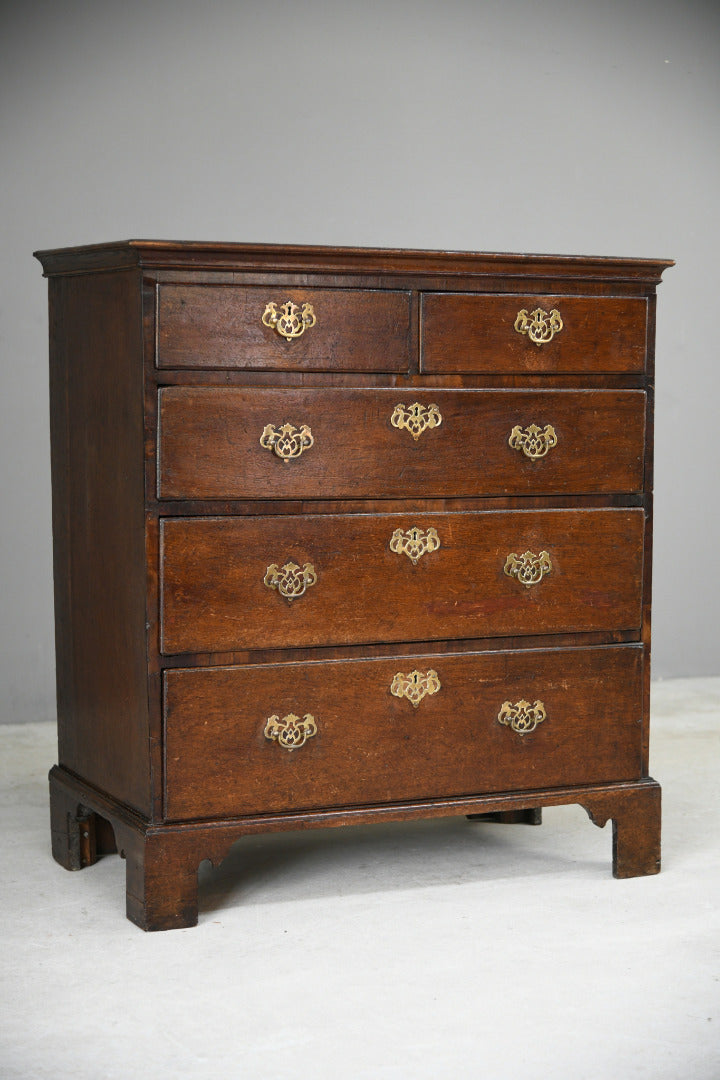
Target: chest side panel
x=96, y=391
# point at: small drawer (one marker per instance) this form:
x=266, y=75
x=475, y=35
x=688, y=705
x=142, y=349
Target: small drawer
x=252, y=327
x=228, y=443
x=532, y=334
x=339, y=579
x=288, y=737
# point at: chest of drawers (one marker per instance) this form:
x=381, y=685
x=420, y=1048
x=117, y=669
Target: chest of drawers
x=345, y=535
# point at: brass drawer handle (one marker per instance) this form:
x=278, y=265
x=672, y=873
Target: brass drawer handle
x=291, y=732
x=533, y=441
x=290, y=581
x=291, y=321
x=414, y=543
x=540, y=326
x=528, y=568
x=414, y=686
x=287, y=441
x=522, y=716
x=416, y=418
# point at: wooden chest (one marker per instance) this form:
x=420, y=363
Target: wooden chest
x=345, y=535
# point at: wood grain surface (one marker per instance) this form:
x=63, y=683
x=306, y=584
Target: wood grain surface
x=373, y=747
x=477, y=333
x=214, y=598
x=221, y=327
x=209, y=443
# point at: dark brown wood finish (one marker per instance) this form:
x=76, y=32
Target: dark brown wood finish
x=162, y=861
x=477, y=334
x=96, y=417
x=166, y=509
x=188, y=257
x=209, y=443
x=216, y=326
x=214, y=596
x=372, y=747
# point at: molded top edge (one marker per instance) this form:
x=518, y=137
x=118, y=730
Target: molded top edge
x=190, y=255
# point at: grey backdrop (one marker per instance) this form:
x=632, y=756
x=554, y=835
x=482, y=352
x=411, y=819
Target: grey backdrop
x=498, y=125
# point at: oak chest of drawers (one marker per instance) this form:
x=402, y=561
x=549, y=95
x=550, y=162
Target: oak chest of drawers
x=341, y=536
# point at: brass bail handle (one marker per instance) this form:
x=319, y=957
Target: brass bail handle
x=533, y=441
x=291, y=732
x=290, y=580
x=522, y=717
x=289, y=320
x=529, y=569
x=287, y=441
x=540, y=326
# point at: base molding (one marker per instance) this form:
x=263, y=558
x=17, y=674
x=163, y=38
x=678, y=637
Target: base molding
x=162, y=859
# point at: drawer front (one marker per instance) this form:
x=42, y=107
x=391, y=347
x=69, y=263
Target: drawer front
x=276, y=582
x=221, y=326
x=476, y=333
x=228, y=443
x=245, y=740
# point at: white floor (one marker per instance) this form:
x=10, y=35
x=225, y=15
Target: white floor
x=424, y=950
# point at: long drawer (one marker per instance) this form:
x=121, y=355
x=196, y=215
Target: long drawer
x=264, y=582
x=220, y=442
x=243, y=740
x=230, y=326
x=540, y=333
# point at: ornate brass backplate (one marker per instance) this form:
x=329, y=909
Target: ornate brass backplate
x=416, y=418
x=414, y=686
x=528, y=568
x=291, y=321
x=533, y=441
x=414, y=542
x=522, y=717
x=290, y=581
x=540, y=326
x=287, y=441
x=291, y=732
